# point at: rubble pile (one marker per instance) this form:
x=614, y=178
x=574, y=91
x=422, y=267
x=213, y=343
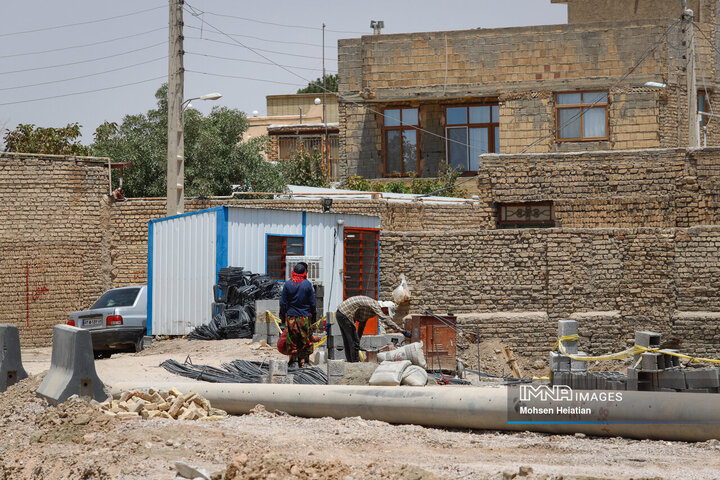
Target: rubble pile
x=172, y=404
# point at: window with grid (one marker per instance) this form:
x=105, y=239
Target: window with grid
x=360, y=263
x=290, y=146
x=401, y=141
x=471, y=131
x=581, y=116
x=277, y=249
x=526, y=215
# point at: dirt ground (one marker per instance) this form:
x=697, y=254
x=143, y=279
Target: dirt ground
x=76, y=441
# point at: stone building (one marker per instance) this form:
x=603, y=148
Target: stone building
x=410, y=103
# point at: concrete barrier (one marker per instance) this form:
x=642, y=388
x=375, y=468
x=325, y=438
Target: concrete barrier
x=11, y=368
x=72, y=368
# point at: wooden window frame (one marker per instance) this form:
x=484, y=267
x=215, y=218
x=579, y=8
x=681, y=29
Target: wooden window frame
x=299, y=144
x=492, y=126
x=582, y=106
x=401, y=128
x=503, y=223
x=347, y=230
x=283, y=254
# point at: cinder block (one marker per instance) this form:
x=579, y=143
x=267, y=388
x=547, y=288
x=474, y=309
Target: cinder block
x=264, y=305
x=674, y=379
x=560, y=378
x=651, y=362
x=559, y=362
x=272, y=339
x=373, y=342
x=566, y=328
x=632, y=380
x=578, y=365
x=336, y=367
x=257, y=337
x=702, y=378
x=277, y=367
x=334, y=379
x=648, y=339
x=72, y=368
x=264, y=378
x=11, y=368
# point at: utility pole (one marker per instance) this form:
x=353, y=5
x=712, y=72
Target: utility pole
x=176, y=81
x=693, y=121
x=326, y=163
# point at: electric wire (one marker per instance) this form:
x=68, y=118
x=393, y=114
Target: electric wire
x=97, y=59
x=260, y=49
x=101, y=42
x=83, y=76
x=192, y=27
x=87, y=22
x=244, y=78
x=305, y=27
x=252, y=61
x=84, y=91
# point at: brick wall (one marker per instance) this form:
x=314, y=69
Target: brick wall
x=591, y=11
x=54, y=241
x=659, y=279
x=653, y=188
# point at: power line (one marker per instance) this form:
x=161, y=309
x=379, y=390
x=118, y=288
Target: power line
x=252, y=61
x=56, y=27
x=267, y=39
x=84, y=61
x=244, y=78
x=305, y=27
x=83, y=45
x=258, y=49
x=84, y=76
x=85, y=91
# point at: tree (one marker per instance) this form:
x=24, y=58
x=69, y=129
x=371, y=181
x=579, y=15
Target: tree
x=214, y=159
x=27, y=138
x=316, y=86
x=305, y=169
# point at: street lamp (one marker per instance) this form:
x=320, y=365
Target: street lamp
x=207, y=96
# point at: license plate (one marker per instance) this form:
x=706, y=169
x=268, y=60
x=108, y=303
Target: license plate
x=91, y=322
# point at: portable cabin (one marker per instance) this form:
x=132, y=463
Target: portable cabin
x=186, y=252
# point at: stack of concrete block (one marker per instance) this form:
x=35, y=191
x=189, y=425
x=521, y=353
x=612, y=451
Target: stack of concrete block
x=335, y=371
x=335, y=345
x=561, y=365
x=278, y=373
x=265, y=329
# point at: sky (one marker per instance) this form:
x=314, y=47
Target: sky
x=90, y=61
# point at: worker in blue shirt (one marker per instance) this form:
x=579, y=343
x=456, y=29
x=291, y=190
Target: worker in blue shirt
x=297, y=309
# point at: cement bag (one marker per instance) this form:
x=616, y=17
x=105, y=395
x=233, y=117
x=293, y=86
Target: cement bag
x=412, y=352
x=402, y=292
x=414, y=376
x=389, y=373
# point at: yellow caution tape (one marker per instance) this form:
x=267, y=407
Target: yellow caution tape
x=630, y=352
x=275, y=319
x=319, y=343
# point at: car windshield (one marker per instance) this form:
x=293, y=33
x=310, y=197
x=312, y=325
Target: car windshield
x=124, y=297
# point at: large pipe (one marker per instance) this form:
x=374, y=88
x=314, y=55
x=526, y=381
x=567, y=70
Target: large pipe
x=693, y=416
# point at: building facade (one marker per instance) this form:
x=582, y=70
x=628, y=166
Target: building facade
x=412, y=103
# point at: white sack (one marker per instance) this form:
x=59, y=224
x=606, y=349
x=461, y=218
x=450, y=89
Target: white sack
x=389, y=373
x=414, y=376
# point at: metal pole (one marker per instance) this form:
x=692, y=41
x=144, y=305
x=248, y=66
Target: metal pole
x=176, y=149
x=326, y=165
x=693, y=123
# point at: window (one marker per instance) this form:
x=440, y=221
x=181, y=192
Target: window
x=289, y=146
x=279, y=247
x=121, y=297
x=361, y=262
x=401, y=141
x=526, y=215
x=581, y=116
x=702, y=106
x=471, y=131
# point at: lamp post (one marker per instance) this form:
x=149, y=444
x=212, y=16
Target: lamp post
x=207, y=96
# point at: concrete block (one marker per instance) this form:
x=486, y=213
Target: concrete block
x=277, y=367
x=559, y=362
x=701, y=378
x=11, y=368
x=72, y=368
x=259, y=338
x=651, y=362
x=273, y=339
x=284, y=379
x=336, y=368
x=264, y=378
x=578, y=365
x=632, y=380
x=560, y=378
x=674, y=379
x=374, y=342
x=565, y=328
x=648, y=339
x=336, y=353
x=262, y=305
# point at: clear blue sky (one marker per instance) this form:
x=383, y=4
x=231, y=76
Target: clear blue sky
x=132, y=49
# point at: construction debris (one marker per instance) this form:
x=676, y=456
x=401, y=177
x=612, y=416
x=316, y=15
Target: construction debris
x=172, y=404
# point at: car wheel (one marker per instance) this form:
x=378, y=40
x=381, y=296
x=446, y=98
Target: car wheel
x=140, y=344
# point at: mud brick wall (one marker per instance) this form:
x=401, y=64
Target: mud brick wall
x=522, y=69
x=652, y=188
x=128, y=240
x=591, y=11
x=54, y=241
x=644, y=277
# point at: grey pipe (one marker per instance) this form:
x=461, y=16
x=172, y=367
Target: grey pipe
x=696, y=416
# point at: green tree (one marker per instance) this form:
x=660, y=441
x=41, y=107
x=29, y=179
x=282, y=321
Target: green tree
x=214, y=159
x=27, y=138
x=316, y=86
x=305, y=169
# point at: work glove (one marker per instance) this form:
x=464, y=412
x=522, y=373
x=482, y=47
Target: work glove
x=406, y=333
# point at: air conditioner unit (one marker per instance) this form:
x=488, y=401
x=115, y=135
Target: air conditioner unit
x=314, y=267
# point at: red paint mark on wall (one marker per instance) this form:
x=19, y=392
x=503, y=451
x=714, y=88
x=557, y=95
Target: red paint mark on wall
x=37, y=292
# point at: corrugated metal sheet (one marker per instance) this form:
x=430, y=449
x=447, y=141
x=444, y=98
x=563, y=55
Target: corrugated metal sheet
x=183, y=264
